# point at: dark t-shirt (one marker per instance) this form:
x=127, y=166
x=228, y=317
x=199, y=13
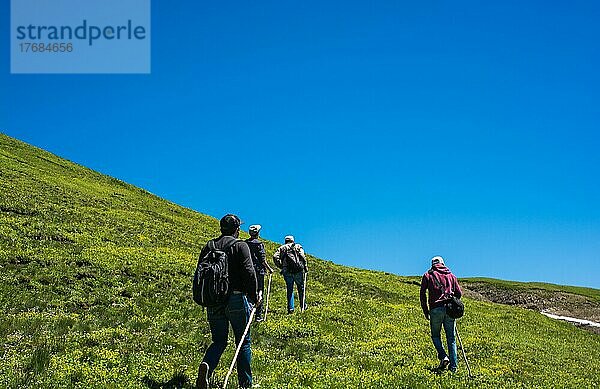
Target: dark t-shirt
x=242, y=277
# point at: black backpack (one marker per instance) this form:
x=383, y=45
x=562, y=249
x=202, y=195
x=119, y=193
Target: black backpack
x=255, y=249
x=291, y=260
x=211, y=279
x=454, y=307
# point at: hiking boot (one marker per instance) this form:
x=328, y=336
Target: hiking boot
x=453, y=369
x=202, y=380
x=444, y=363
x=259, y=319
x=290, y=311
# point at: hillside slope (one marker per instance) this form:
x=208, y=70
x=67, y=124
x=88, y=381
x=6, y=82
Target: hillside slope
x=95, y=279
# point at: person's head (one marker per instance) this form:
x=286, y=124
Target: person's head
x=289, y=239
x=437, y=260
x=230, y=225
x=254, y=230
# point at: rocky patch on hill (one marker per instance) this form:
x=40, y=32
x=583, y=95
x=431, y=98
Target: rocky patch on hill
x=554, y=302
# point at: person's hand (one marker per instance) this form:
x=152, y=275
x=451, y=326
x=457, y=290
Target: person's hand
x=426, y=315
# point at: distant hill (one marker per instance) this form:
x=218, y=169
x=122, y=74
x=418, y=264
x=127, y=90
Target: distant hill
x=95, y=279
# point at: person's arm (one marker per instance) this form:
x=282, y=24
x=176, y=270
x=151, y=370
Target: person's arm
x=248, y=275
x=303, y=258
x=277, y=257
x=423, y=296
x=457, y=289
x=263, y=257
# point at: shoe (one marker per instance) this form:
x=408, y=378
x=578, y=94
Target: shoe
x=453, y=369
x=202, y=380
x=444, y=363
x=259, y=319
x=290, y=311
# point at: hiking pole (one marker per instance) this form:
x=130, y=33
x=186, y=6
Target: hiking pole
x=267, y=302
x=304, y=293
x=239, y=346
x=463, y=350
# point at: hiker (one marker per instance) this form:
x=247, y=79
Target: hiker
x=291, y=260
x=236, y=311
x=259, y=259
x=440, y=283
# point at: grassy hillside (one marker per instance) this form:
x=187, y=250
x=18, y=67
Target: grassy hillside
x=95, y=279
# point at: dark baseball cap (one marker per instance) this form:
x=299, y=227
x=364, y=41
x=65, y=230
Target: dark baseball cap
x=230, y=223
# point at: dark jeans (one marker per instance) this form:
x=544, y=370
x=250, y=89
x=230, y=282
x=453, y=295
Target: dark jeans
x=290, y=280
x=260, y=278
x=236, y=312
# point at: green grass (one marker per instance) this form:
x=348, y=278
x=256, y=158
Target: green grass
x=95, y=279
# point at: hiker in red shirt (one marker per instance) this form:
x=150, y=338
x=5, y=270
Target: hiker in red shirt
x=440, y=283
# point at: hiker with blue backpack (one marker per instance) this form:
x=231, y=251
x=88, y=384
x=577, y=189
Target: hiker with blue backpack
x=225, y=283
x=441, y=309
x=290, y=258
x=259, y=259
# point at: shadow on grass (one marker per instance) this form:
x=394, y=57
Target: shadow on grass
x=178, y=381
x=435, y=370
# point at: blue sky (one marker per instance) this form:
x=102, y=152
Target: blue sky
x=378, y=134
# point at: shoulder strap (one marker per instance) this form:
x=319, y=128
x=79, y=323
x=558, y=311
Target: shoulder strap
x=439, y=284
x=213, y=246
x=292, y=249
x=230, y=244
x=435, y=280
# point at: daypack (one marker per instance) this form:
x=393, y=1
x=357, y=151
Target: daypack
x=454, y=307
x=291, y=260
x=255, y=249
x=211, y=278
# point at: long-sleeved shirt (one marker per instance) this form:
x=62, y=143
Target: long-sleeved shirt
x=242, y=277
x=437, y=296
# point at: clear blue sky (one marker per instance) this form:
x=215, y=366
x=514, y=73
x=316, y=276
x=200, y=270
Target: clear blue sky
x=379, y=134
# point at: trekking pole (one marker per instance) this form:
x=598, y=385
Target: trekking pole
x=304, y=293
x=463, y=350
x=268, y=292
x=239, y=347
